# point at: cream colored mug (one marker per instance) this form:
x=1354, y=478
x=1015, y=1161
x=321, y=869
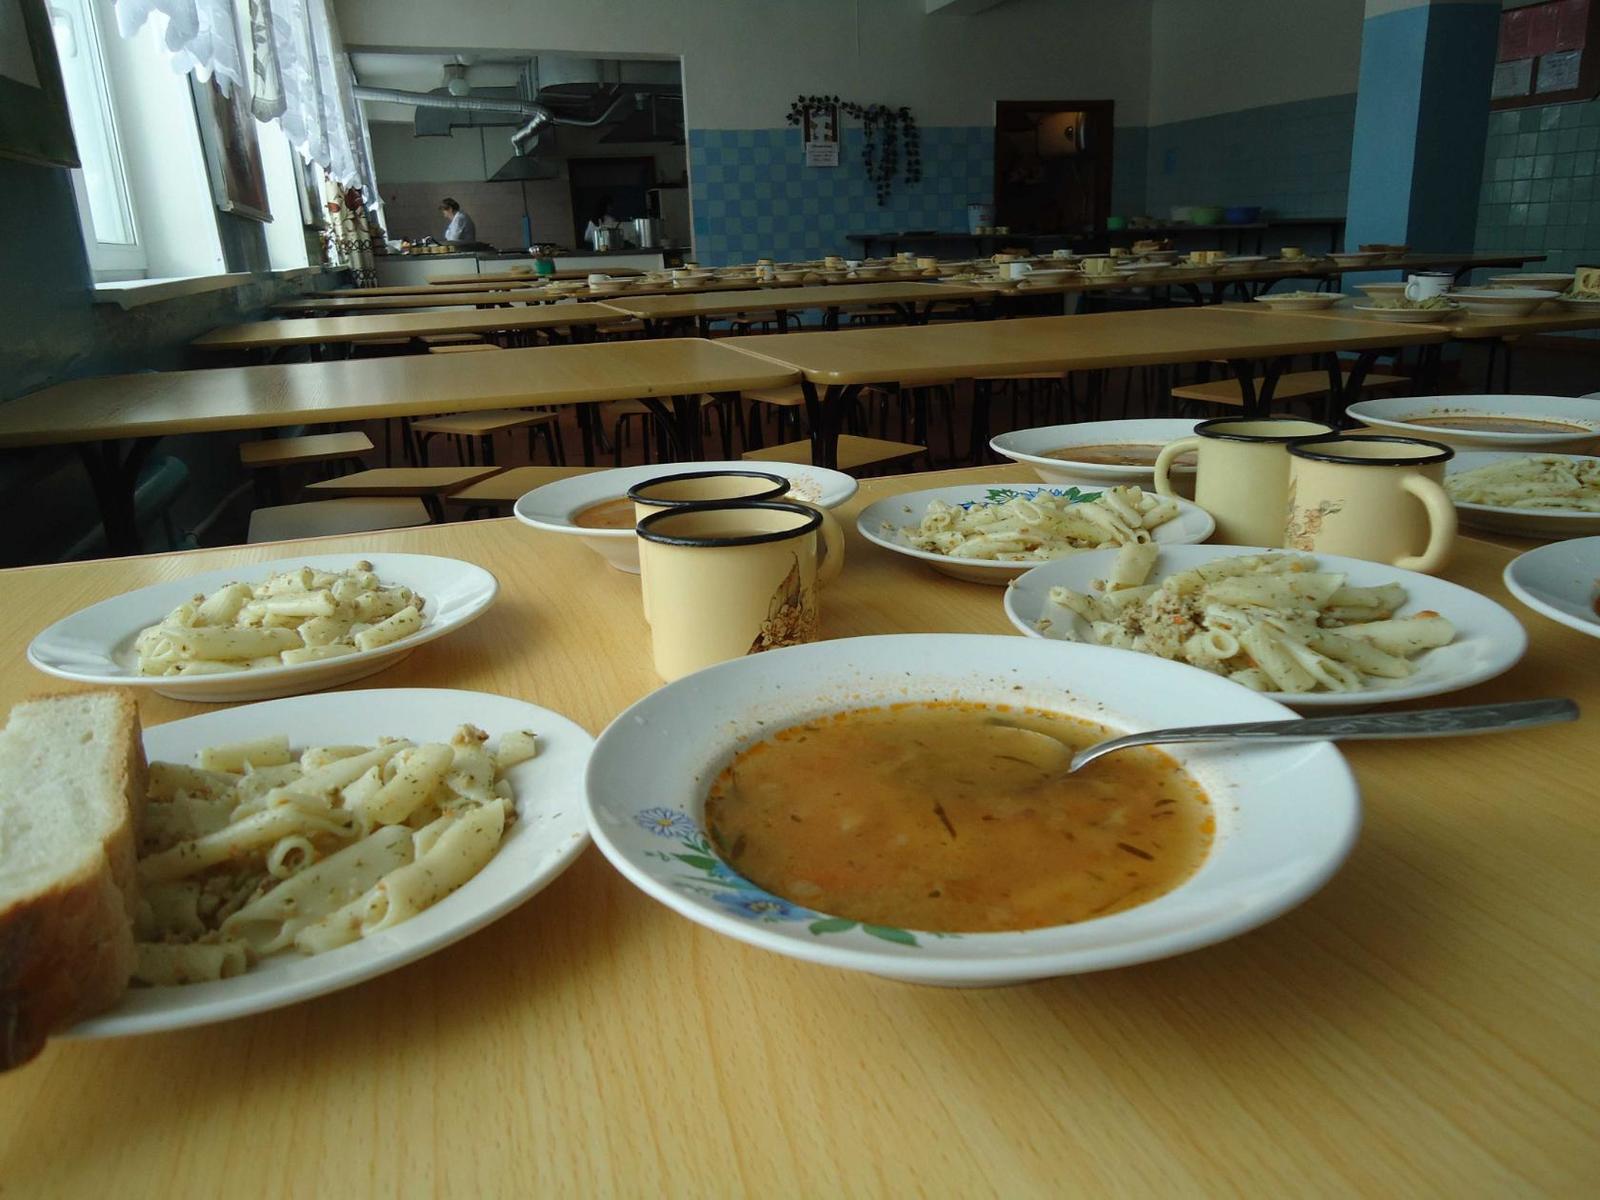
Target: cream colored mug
x=1243, y=473
x=1015, y=270
x=1099, y=264
x=1379, y=498
x=721, y=581
x=704, y=487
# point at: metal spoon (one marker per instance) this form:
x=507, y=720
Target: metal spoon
x=1427, y=722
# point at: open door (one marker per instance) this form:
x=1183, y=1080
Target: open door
x=1052, y=166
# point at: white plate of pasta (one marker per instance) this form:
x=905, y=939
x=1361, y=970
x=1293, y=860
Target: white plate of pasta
x=1535, y=495
x=992, y=533
x=1311, y=631
x=263, y=630
x=386, y=874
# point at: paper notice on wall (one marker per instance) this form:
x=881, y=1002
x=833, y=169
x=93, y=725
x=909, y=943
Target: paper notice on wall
x=1558, y=72
x=822, y=154
x=1512, y=79
x=16, y=55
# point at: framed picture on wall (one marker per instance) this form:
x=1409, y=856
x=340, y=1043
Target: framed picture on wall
x=34, y=125
x=232, y=153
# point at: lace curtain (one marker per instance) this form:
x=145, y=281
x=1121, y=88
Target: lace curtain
x=298, y=73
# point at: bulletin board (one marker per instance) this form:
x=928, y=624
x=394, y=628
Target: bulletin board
x=1549, y=53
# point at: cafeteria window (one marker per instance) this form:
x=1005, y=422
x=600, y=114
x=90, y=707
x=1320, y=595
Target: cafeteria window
x=105, y=200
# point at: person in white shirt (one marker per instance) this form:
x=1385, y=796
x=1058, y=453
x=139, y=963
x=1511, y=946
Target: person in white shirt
x=601, y=219
x=460, y=228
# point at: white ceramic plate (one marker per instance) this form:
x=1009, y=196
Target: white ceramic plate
x=1407, y=316
x=1579, y=304
x=1303, y=303
x=553, y=506
x=1031, y=446
x=548, y=835
x=1286, y=816
x=1529, y=522
x=1192, y=524
x=95, y=644
x=1502, y=301
x=1395, y=412
x=1489, y=640
x=1556, y=281
x=1560, y=581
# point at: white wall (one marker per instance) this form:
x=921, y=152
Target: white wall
x=1219, y=56
x=745, y=60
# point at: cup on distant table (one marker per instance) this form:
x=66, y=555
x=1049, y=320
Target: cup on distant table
x=1291, y=253
x=833, y=262
x=1243, y=473
x=1099, y=264
x=927, y=263
x=852, y=263
x=721, y=581
x=1378, y=498
x=1015, y=270
x=1061, y=253
x=597, y=279
x=1425, y=285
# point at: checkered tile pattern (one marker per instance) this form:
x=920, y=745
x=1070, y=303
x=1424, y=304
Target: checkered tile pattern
x=1541, y=184
x=754, y=197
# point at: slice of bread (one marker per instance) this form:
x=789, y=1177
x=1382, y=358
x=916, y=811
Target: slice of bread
x=72, y=784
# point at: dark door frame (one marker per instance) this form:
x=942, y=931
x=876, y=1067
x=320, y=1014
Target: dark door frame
x=1099, y=117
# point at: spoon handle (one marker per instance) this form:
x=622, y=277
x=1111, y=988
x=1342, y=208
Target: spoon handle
x=1427, y=722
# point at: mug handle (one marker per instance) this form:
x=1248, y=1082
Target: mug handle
x=1164, y=460
x=831, y=561
x=1441, y=525
x=1413, y=290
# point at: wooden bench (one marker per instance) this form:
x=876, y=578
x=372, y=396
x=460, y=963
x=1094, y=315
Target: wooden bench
x=475, y=431
x=499, y=491
x=855, y=453
x=465, y=348
x=304, y=451
x=427, y=484
x=325, y=518
x=1295, y=385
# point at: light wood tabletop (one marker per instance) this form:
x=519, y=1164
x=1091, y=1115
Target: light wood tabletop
x=316, y=393
x=516, y=276
x=443, y=298
x=976, y=349
x=414, y=289
x=1422, y=1026
x=792, y=299
x=375, y=327
x=1548, y=318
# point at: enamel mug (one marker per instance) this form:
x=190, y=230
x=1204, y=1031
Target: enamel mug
x=1243, y=473
x=1378, y=498
x=1425, y=285
x=704, y=487
x=721, y=581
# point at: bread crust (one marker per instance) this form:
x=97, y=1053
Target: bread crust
x=66, y=952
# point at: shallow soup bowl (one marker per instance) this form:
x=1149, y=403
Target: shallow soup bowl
x=1048, y=450
x=555, y=507
x=1285, y=816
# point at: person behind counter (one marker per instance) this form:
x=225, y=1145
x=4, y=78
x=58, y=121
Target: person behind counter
x=460, y=229
x=599, y=219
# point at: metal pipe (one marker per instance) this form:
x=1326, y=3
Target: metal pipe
x=525, y=108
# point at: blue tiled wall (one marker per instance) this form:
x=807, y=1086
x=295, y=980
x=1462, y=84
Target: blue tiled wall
x=754, y=196
x=1292, y=159
x=1541, y=184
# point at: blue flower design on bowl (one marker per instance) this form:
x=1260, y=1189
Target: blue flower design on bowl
x=667, y=822
x=760, y=906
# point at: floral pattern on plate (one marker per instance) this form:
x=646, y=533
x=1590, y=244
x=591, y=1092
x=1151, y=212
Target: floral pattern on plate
x=1000, y=495
x=714, y=880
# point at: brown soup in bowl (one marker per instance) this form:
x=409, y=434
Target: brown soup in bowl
x=616, y=513
x=917, y=816
x=1119, y=454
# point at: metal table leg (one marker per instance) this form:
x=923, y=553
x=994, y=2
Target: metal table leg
x=682, y=424
x=824, y=412
x=113, y=475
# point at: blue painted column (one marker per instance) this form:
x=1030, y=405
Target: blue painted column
x=1422, y=119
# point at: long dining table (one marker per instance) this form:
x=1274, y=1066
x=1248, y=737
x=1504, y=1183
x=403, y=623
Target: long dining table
x=1421, y=1026
x=115, y=420
x=912, y=300
x=378, y=327
x=835, y=366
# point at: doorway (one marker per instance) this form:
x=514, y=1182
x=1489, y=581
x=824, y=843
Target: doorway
x=1052, y=166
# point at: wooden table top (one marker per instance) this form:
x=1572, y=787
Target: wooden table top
x=515, y=276
x=976, y=349
x=839, y=295
x=376, y=327
x=417, y=289
x=1422, y=1026
x=1548, y=318
x=443, y=298
x=264, y=397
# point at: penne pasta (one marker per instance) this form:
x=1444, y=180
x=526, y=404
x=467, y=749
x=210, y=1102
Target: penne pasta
x=1038, y=525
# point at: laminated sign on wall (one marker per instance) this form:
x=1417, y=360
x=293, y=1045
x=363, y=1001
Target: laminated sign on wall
x=821, y=133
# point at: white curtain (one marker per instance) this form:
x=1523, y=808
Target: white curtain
x=298, y=72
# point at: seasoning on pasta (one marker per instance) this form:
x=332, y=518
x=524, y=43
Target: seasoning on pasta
x=1038, y=527
x=256, y=851
x=296, y=616
x=1272, y=622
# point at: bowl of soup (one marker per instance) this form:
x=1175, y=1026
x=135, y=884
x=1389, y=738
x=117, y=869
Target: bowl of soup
x=1101, y=453
x=596, y=508
x=894, y=805
x=1488, y=422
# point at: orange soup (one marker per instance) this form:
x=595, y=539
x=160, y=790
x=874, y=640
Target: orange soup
x=1121, y=454
x=924, y=816
x=1475, y=424
x=608, y=514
